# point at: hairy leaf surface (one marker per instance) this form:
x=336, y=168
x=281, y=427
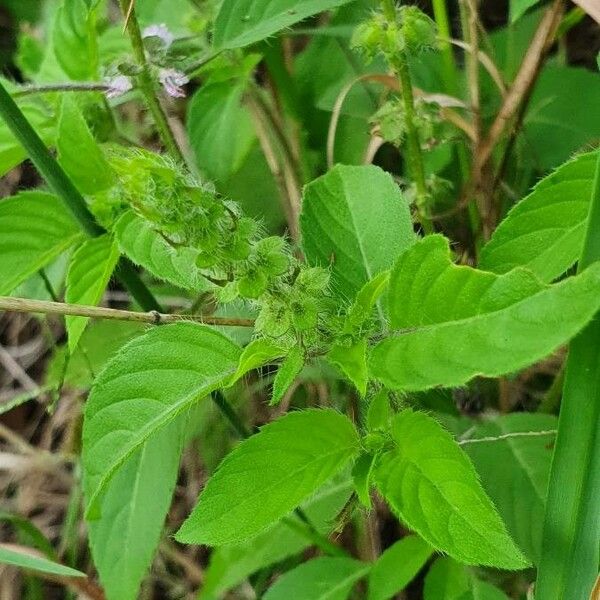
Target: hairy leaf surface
x=35, y=227
x=243, y=22
x=432, y=486
x=455, y=323
x=270, y=474
x=323, y=578
x=145, y=246
x=355, y=219
x=287, y=372
x=154, y=378
x=544, y=231
x=514, y=472
x=89, y=273
x=231, y=564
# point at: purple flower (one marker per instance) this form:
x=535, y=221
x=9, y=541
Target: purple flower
x=160, y=31
x=118, y=86
x=173, y=80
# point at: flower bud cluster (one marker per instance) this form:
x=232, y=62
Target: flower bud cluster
x=411, y=32
x=291, y=298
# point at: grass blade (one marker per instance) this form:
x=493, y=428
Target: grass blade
x=570, y=549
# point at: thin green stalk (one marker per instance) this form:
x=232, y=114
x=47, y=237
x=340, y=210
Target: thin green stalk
x=399, y=63
x=415, y=158
x=146, y=83
x=63, y=187
x=570, y=542
x=449, y=68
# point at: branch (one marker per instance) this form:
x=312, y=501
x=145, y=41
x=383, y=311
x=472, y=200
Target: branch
x=96, y=312
x=61, y=87
x=146, y=82
x=508, y=436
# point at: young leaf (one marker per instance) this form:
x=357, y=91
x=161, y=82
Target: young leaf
x=361, y=477
x=364, y=303
x=74, y=40
x=544, y=231
x=352, y=361
x=78, y=152
x=514, y=472
x=324, y=578
x=256, y=354
x=446, y=580
x=230, y=565
x=243, y=22
x=145, y=247
x=270, y=474
x=35, y=228
x=89, y=273
x=432, y=486
x=457, y=322
x=26, y=558
x=154, y=378
x=220, y=129
x=378, y=415
x=134, y=506
x=359, y=238
x=287, y=372
x=397, y=567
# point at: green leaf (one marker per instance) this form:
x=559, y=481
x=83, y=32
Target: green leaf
x=147, y=248
x=230, y=565
x=12, y=152
x=365, y=301
x=243, y=22
x=74, y=40
x=257, y=353
x=352, y=361
x=514, y=472
x=397, y=567
x=89, y=273
x=28, y=533
x=355, y=219
x=154, y=378
x=324, y=578
x=134, y=506
x=449, y=580
x=446, y=580
x=432, y=486
x=35, y=228
x=220, y=129
x=378, y=415
x=560, y=119
x=78, y=152
x=18, y=556
x=518, y=8
x=544, y=231
x=456, y=322
x=270, y=474
x=361, y=477
x=287, y=373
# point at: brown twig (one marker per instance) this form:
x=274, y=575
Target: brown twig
x=482, y=177
x=97, y=312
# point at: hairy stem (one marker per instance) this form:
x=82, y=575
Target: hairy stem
x=415, y=158
x=146, y=83
x=24, y=305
